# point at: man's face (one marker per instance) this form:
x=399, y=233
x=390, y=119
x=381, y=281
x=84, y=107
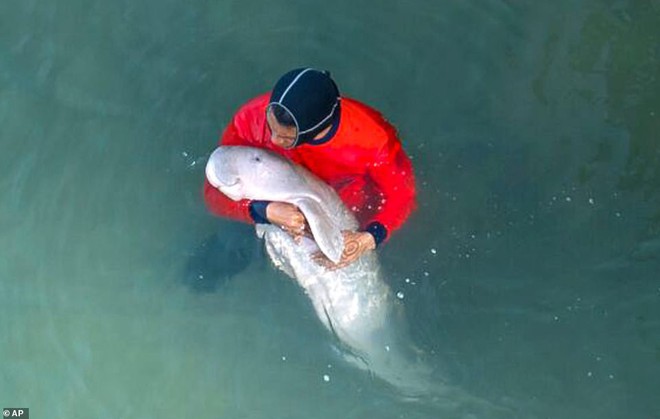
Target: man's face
x=280, y=135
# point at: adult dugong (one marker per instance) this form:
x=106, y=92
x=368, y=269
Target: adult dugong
x=353, y=303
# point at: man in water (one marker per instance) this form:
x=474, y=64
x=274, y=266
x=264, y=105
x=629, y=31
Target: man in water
x=344, y=142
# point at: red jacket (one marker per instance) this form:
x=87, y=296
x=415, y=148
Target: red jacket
x=363, y=161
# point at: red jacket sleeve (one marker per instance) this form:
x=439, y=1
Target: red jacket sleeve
x=392, y=172
x=215, y=200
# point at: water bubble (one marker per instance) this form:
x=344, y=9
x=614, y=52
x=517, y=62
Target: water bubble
x=408, y=281
x=283, y=358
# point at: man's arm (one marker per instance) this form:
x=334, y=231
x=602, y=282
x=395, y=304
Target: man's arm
x=392, y=172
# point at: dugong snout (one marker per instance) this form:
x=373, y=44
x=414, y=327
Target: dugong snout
x=211, y=175
x=222, y=175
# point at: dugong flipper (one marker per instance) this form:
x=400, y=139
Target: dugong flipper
x=326, y=231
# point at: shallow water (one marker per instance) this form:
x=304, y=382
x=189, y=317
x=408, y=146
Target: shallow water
x=529, y=272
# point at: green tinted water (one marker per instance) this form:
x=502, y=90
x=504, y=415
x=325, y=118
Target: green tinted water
x=529, y=271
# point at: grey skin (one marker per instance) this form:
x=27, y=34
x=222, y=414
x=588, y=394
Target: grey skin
x=353, y=302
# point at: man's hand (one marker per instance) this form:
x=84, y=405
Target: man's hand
x=355, y=244
x=289, y=217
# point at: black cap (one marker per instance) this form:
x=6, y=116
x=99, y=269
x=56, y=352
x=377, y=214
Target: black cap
x=310, y=97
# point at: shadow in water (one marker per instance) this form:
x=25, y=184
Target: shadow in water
x=220, y=256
